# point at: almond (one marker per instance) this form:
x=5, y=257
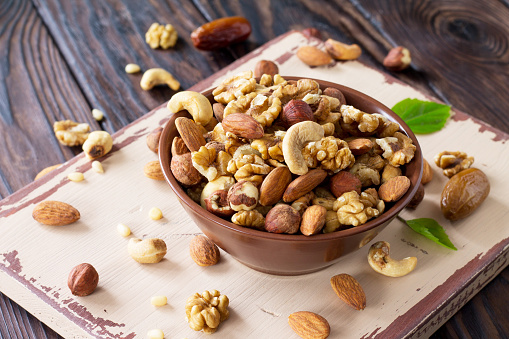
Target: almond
x=242, y=125
x=46, y=171
x=343, y=182
x=274, y=185
x=313, y=220
x=349, y=290
x=55, y=213
x=190, y=133
x=178, y=147
x=360, y=146
x=304, y=184
x=427, y=172
x=313, y=56
x=153, y=170
x=309, y=325
x=394, y=188
x=203, y=251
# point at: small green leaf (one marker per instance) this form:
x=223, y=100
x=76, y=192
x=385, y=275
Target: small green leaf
x=422, y=116
x=432, y=230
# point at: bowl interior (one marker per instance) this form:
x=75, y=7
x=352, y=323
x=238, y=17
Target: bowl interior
x=413, y=170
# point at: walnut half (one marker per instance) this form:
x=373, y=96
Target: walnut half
x=204, y=312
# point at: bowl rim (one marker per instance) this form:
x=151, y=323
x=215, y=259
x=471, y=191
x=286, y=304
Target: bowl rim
x=386, y=216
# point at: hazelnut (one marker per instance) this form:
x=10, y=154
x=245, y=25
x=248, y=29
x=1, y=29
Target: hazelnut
x=153, y=139
x=343, y=182
x=243, y=196
x=178, y=147
x=418, y=197
x=397, y=59
x=283, y=219
x=312, y=32
x=203, y=251
x=296, y=111
x=217, y=203
x=335, y=93
x=83, y=280
x=184, y=171
x=265, y=67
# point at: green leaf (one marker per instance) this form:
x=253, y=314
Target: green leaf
x=432, y=230
x=422, y=117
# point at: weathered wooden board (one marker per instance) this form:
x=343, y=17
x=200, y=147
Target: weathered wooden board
x=35, y=259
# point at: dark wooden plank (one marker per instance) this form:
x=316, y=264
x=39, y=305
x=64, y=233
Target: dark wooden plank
x=99, y=38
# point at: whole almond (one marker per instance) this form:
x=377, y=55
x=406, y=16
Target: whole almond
x=153, y=139
x=309, y=325
x=343, y=182
x=46, y=171
x=349, y=290
x=55, y=213
x=265, y=67
x=360, y=146
x=313, y=220
x=313, y=56
x=335, y=93
x=304, y=184
x=153, y=170
x=274, y=185
x=394, y=188
x=178, y=147
x=218, y=109
x=190, y=133
x=427, y=172
x=242, y=125
x=203, y=251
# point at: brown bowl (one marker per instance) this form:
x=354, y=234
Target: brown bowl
x=286, y=254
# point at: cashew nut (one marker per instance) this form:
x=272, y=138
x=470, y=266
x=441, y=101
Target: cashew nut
x=147, y=251
x=342, y=51
x=295, y=139
x=158, y=76
x=381, y=262
x=195, y=103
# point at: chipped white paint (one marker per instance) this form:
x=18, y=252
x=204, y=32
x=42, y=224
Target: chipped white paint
x=43, y=256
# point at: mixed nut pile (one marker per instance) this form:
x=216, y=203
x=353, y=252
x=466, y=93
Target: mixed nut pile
x=287, y=156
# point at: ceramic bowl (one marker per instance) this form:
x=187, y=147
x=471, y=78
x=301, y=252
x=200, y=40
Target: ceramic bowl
x=286, y=254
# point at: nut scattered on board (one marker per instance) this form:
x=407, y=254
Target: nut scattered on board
x=152, y=170
x=265, y=67
x=55, y=213
x=147, y=251
x=98, y=144
x=159, y=300
x=155, y=213
x=153, y=139
x=195, y=103
x=70, y=133
x=342, y=51
x=46, y=171
x=123, y=230
x=427, y=172
x=158, y=76
x=312, y=32
x=83, y=280
x=97, y=166
x=464, y=193
x=453, y=162
x=349, y=290
x=221, y=33
x=397, y=59
x=380, y=260
x=132, y=68
x=164, y=36
x=203, y=251
x=309, y=325
x=394, y=188
x=155, y=333
x=97, y=114
x=76, y=176
x=313, y=56
x=204, y=312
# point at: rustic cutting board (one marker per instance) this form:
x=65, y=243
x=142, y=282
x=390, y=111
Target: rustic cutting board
x=36, y=259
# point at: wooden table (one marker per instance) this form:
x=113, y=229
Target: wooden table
x=60, y=59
